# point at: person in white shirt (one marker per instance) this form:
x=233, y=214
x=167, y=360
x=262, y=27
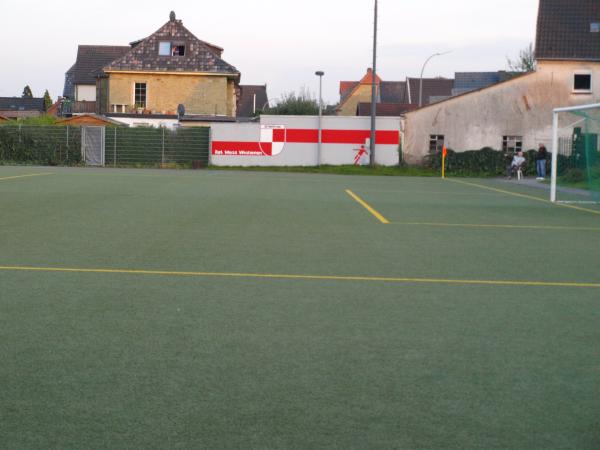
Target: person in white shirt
x=517, y=163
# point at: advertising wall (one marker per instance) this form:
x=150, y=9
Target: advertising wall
x=293, y=141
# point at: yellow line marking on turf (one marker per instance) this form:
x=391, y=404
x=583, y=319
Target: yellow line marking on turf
x=519, y=227
x=516, y=194
x=302, y=277
x=26, y=176
x=368, y=207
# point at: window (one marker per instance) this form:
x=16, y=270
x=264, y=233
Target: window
x=167, y=48
x=582, y=82
x=512, y=144
x=164, y=49
x=178, y=50
x=436, y=143
x=595, y=27
x=140, y=95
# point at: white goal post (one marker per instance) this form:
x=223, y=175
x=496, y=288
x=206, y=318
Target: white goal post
x=555, y=141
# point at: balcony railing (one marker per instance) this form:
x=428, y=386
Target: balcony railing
x=83, y=107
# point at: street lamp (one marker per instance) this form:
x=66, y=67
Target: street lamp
x=374, y=90
x=320, y=74
x=423, y=70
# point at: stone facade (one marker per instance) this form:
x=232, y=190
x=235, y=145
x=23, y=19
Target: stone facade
x=201, y=94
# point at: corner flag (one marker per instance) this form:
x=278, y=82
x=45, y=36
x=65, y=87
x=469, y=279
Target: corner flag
x=444, y=154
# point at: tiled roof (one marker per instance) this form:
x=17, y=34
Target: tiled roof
x=563, y=30
x=89, y=63
x=465, y=94
x=199, y=56
x=346, y=87
x=384, y=109
x=69, y=88
x=246, y=102
x=471, y=81
x=91, y=59
x=474, y=80
x=432, y=87
x=393, y=92
x=368, y=78
x=21, y=104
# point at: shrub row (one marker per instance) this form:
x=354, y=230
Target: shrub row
x=40, y=145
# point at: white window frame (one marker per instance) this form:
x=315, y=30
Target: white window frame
x=510, y=143
x=437, y=138
x=583, y=91
x=160, y=48
x=147, y=90
x=172, y=45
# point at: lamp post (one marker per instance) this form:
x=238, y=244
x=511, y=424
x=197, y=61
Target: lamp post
x=422, y=71
x=320, y=74
x=374, y=91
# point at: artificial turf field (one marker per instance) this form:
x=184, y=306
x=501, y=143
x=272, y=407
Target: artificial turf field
x=164, y=309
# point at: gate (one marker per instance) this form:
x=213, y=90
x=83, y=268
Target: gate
x=92, y=145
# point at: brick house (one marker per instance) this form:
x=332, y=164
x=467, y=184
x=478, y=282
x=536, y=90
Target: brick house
x=394, y=98
x=80, y=79
x=150, y=80
x=355, y=96
x=21, y=108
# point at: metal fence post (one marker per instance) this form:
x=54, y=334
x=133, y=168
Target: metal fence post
x=163, y=146
x=115, y=150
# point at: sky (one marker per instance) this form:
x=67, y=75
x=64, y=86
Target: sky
x=280, y=43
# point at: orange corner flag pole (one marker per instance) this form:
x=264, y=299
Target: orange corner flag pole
x=444, y=154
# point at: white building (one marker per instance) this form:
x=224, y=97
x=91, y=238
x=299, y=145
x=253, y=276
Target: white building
x=517, y=114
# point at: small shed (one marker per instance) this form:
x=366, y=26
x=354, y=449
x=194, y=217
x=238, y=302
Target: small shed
x=89, y=120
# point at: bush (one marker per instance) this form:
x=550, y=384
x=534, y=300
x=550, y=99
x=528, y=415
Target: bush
x=43, y=145
x=486, y=162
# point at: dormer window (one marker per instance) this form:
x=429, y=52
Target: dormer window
x=178, y=50
x=595, y=27
x=168, y=48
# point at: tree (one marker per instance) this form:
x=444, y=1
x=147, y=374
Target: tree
x=525, y=62
x=47, y=100
x=302, y=104
x=27, y=92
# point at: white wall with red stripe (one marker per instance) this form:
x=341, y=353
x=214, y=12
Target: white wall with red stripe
x=293, y=141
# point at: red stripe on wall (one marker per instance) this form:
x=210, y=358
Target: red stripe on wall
x=299, y=136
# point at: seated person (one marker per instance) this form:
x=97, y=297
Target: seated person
x=517, y=163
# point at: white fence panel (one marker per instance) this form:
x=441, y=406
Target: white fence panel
x=293, y=141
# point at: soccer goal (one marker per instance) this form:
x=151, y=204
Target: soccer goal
x=575, y=155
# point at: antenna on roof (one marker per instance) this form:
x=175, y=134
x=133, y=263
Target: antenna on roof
x=172, y=16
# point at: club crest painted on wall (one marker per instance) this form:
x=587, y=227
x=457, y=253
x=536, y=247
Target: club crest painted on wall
x=272, y=139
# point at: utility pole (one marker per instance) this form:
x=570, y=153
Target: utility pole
x=320, y=74
x=374, y=93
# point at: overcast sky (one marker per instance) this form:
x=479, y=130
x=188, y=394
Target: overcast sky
x=280, y=43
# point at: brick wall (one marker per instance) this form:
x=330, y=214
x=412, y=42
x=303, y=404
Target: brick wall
x=201, y=94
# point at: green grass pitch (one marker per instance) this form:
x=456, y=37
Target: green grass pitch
x=165, y=309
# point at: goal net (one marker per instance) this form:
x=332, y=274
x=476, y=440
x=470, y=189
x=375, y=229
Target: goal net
x=575, y=155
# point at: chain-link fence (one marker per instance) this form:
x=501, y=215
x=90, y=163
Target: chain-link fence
x=130, y=146
x=121, y=146
x=45, y=145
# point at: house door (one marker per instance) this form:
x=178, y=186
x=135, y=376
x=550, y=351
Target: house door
x=92, y=145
